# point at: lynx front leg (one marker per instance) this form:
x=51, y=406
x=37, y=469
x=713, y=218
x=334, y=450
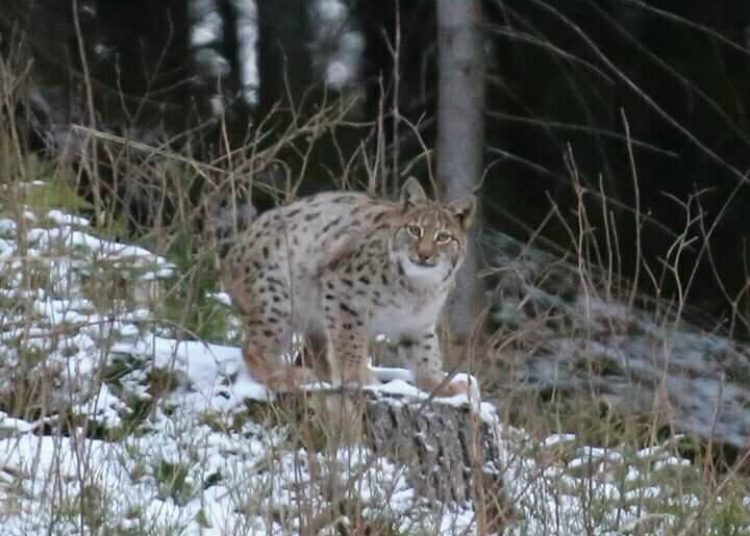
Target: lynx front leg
x=422, y=352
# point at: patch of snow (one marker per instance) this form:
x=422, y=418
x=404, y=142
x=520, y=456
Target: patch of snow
x=388, y=374
x=650, y=452
x=556, y=439
x=7, y=225
x=197, y=465
x=649, y=492
x=61, y=218
x=670, y=461
x=12, y=426
x=399, y=388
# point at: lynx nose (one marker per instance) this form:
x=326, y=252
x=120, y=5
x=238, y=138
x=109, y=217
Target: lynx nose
x=424, y=258
x=424, y=251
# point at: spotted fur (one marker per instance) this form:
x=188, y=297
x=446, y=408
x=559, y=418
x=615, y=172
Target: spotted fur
x=340, y=268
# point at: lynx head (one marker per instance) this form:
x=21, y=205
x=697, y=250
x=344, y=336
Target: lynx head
x=430, y=241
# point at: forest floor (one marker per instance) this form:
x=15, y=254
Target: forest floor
x=117, y=416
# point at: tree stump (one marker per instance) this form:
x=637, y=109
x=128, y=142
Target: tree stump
x=451, y=453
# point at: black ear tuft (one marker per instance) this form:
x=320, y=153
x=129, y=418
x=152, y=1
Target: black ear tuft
x=463, y=210
x=412, y=193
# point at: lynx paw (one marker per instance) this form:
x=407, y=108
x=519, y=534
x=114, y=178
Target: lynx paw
x=289, y=379
x=359, y=378
x=460, y=384
x=453, y=388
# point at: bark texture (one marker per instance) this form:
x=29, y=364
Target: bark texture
x=461, y=89
x=451, y=454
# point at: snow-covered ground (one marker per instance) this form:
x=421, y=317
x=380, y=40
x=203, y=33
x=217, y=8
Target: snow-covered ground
x=109, y=425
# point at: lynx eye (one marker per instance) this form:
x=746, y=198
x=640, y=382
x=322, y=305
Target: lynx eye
x=443, y=237
x=414, y=230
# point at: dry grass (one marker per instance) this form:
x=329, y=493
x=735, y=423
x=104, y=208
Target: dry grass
x=182, y=305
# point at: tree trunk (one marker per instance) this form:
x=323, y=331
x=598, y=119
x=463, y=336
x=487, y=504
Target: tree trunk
x=285, y=61
x=460, y=138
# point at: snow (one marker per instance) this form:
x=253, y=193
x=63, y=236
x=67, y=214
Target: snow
x=557, y=439
x=7, y=225
x=196, y=463
x=181, y=469
x=11, y=426
x=62, y=218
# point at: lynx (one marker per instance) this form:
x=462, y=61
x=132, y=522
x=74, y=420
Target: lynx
x=341, y=268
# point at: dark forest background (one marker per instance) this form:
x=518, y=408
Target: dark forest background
x=639, y=108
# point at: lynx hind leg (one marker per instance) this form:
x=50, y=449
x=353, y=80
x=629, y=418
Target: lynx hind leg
x=264, y=306
x=268, y=336
x=262, y=353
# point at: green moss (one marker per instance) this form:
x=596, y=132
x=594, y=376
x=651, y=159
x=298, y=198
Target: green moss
x=172, y=479
x=202, y=519
x=57, y=192
x=197, y=313
x=159, y=381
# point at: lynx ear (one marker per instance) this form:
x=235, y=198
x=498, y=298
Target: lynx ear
x=463, y=210
x=412, y=193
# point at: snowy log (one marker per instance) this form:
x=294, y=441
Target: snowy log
x=451, y=452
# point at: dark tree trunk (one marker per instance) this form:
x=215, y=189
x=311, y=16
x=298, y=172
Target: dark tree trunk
x=285, y=62
x=460, y=138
